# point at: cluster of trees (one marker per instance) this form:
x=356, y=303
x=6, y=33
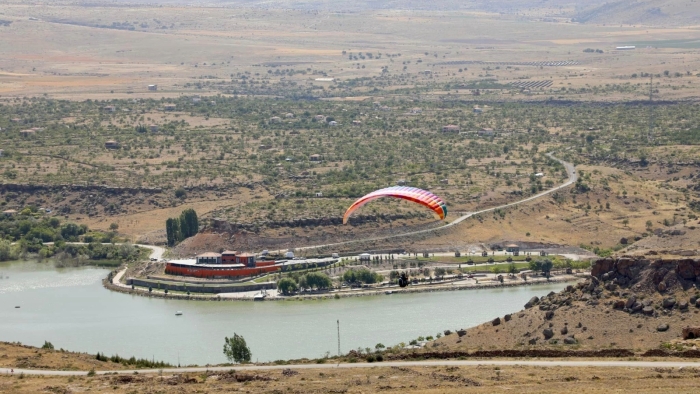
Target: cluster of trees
x=362, y=276
x=26, y=233
x=543, y=265
x=178, y=229
x=311, y=280
x=132, y=361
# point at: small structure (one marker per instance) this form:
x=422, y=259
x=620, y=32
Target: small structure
x=450, y=128
x=275, y=119
x=154, y=128
x=112, y=144
x=15, y=120
x=485, y=132
x=416, y=111
x=356, y=123
x=539, y=174
x=315, y=158
x=319, y=194
x=196, y=99
x=9, y=212
x=365, y=257
x=109, y=108
x=152, y=88
x=401, y=182
x=478, y=110
x=27, y=133
x=325, y=79
x=332, y=123
x=169, y=107
x=626, y=48
x=2, y=152
x=512, y=248
x=289, y=115
x=320, y=118
x=445, y=181
x=209, y=258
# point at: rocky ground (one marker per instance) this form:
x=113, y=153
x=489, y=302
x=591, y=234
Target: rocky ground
x=627, y=303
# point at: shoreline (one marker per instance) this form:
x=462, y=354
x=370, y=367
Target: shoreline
x=107, y=283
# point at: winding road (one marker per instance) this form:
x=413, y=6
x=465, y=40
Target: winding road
x=457, y=363
x=570, y=170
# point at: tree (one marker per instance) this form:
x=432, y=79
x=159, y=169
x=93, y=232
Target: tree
x=536, y=265
x=189, y=223
x=287, y=286
x=625, y=222
x=511, y=269
x=47, y=345
x=172, y=230
x=546, y=266
x=114, y=227
x=649, y=225
x=236, y=350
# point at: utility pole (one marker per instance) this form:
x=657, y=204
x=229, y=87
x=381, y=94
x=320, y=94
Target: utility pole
x=338, y=321
x=650, y=135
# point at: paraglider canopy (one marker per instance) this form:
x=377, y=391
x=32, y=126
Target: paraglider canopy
x=420, y=196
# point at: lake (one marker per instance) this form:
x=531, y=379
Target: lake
x=70, y=308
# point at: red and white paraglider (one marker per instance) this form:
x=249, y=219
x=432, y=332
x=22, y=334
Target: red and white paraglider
x=419, y=196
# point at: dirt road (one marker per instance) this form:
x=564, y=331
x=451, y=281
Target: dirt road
x=458, y=363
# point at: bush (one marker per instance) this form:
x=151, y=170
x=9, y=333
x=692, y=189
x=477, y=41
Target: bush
x=379, y=358
x=370, y=359
x=47, y=345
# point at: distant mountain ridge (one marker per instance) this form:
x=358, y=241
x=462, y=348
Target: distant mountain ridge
x=644, y=12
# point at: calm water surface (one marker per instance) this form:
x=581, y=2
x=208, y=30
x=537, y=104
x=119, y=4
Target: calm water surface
x=70, y=308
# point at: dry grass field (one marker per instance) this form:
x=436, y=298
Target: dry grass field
x=483, y=379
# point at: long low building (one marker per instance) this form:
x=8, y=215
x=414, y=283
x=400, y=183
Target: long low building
x=231, y=264
x=228, y=264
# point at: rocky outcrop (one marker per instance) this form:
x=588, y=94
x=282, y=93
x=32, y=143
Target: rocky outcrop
x=659, y=275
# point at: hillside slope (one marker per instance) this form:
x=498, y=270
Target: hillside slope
x=627, y=303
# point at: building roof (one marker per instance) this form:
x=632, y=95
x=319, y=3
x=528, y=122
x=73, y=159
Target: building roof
x=229, y=252
x=209, y=254
x=10, y=211
x=512, y=246
x=246, y=255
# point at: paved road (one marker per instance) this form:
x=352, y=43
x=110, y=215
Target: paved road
x=458, y=363
x=156, y=253
x=570, y=169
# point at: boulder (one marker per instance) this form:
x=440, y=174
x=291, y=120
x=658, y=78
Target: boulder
x=630, y=302
x=532, y=341
x=619, y=304
x=507, y=317
x=662, y=327
x=692, y=300
x=669, y=302
x=637, y=306
x=683, y=305
x=661, y=287
x=602, y=266
x=647, y=310
x=697, y=303
x=496, y=321
x=548, y=333
x=570, y=341
x=686, y=269
x=533, y=301
x=461, y=333
x=624, y=266
x=549, y=315
x=564, y=330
